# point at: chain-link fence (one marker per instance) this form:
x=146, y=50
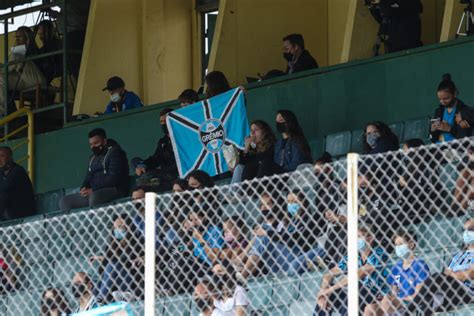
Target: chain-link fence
x=273, y=246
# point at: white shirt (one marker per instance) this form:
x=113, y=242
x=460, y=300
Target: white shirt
x=229, y=306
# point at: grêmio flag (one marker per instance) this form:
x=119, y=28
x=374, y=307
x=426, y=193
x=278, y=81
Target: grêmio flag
x=199, y=131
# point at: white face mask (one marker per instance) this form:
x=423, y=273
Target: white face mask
x=19, y=50
x=115, y=98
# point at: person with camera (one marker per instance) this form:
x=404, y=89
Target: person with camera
x=400, y=23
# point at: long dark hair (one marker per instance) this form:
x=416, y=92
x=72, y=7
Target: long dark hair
x=118, y=247
x=59, y=299
x=268, y=139
x=295, y=132
x=31, y=47
x=216, y=84
x=386, y=135
x=50, y=35
x=203, y=177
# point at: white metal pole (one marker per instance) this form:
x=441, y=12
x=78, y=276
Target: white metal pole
x=150, y=210
x=352, y=222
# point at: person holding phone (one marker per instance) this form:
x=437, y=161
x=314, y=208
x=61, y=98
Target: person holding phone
x=452, y=119
x=256, y=160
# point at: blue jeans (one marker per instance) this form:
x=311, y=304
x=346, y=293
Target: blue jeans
x=281, y=259
x=115, y=278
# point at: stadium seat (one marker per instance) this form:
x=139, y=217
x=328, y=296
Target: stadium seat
x=317, y=147
x=302, y=308
x=440, y=233
x=65, y=269
x=338, y=144
x=49, y=201
x=17, y=302
x=417, y=128
x=259, y=293
x=357, y=141
x=284, y=290
x=309, y=286
x=398, y=129
x=177, y=305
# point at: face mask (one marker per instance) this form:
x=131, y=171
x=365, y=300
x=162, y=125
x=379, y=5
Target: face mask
x=78, y=290
x=229, y=238
x=402, y=251
x=372, y=139
x=138, y=205
x=115, y=98
x=468, y=237
x=50, y=303
x=203, y=304
x=120, y=233
x=288, y=56
x=164, y=128
x=97, y=150
x=281, y=127
x=293, y=208
x=361, y=244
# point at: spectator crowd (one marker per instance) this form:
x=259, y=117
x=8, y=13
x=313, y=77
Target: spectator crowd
x=201, y=250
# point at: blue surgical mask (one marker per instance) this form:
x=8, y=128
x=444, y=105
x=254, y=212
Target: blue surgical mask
x=293, y=208
x=361, y=244
x=372, y=139
x=120, y=234
x=468, y=237
x=402, y=251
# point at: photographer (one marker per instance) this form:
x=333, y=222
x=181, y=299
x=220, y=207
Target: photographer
x=400, y=23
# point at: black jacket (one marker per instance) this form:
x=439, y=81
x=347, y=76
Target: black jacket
x=258, y=165
x=51, y=66
x=304, y=62
x=163, y=158
x=467, y=113
x=400, y=21
x=17, y=192
x=109, y=169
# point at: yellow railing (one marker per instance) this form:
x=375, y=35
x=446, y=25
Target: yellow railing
x=29, y=141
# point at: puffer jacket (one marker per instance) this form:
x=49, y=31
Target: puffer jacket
x=108, y=170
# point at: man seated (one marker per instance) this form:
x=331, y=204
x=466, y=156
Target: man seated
x=107, y=176
x=298, y=58
x=372, y=273
x=120, y=99
x=82, y=289
x=159, y=170
x=16, y=190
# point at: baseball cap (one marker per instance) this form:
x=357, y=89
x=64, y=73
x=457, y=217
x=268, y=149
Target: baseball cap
x=114, y=83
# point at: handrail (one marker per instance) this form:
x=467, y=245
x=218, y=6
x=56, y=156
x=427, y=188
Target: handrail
x=29, y=140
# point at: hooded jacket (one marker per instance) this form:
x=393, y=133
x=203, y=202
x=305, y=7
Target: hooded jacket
x=467, y=113
x=108, y=169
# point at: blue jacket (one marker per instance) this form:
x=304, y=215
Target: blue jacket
x=288, y=155
x=108, y=170
x=130, y=101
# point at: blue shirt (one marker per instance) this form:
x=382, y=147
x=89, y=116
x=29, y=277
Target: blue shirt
x=376, y=281
x=130, y=101
x=139, y=224
x=407, y=280
x=449, y=118
x=463, y=261
x=214, y=240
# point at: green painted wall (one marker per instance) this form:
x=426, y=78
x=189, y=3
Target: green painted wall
x=343, y=97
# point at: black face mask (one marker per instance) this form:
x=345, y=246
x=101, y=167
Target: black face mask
x=50, y=303
x=288, y=56
x=78, y=290
x=97, y=150
x=164, y=128
x=203, y=304
x=281, y=127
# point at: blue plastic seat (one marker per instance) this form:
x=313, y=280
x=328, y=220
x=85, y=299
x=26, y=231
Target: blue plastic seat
x=417, y=128
x=338, y=144
x=357, y=141
x=317, y=147
x=398, y=129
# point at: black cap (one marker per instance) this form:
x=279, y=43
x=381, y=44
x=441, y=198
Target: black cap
x=114, y=83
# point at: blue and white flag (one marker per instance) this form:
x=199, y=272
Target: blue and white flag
x=199, y=131
x=114, y=309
